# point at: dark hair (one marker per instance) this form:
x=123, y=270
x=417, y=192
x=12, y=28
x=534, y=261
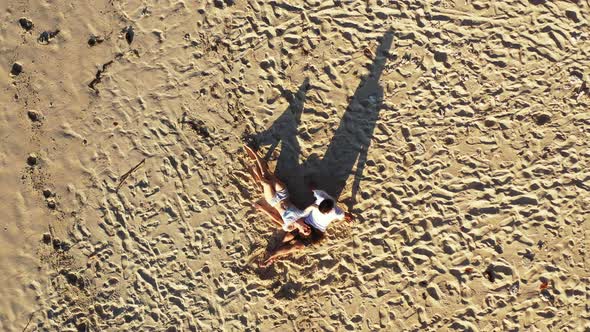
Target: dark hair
x=326, y=205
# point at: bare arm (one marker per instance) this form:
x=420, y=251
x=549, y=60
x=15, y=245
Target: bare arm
x=309, y=209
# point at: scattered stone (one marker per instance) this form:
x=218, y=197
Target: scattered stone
x=34, y=116
x=25, y=23
x=94, y=40
x=47, y=193
x=129, y=34
x=51, y=204
x=47, y=238
x=46, y=36
x=56, y=244
x=32, y=160
x=17, y=68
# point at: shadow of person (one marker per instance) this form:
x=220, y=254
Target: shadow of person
x=284, y=131
x=352, y=138
x=348, y=147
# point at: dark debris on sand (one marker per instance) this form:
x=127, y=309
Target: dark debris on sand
x=46, y=36
x=94, y=40
x=16, y=69
x=129, y=34
x=25, y=23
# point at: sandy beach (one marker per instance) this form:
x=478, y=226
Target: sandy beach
x=456, y=132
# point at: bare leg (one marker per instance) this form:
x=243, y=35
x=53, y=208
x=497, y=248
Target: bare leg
x=268, y=191
x=258, y=173
x=270, y=185
x=271, y=212
x=282, y=251
x=262, y=166
x=255, y=176
x=288, y=237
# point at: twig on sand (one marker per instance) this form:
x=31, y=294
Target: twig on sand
x=126, y=175
x=30, y=319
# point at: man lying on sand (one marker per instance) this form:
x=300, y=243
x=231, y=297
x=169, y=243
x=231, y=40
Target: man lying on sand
x=302, y=227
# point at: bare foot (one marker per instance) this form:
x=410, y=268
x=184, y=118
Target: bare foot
x=267, y=262
x=251, y=153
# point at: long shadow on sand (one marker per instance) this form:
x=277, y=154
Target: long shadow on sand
x=284, y=131
x=349, y=145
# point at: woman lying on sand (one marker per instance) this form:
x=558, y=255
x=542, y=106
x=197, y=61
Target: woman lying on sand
x=302, y=227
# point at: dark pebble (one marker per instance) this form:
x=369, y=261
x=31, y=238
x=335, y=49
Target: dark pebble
x=94, y=40
x=34, y=116
x=25, y=23
x=47, y=193
x=47, y=238
x=129, y=34
x=56, y=244
x=17, y=68
x=46, y=36
x=32, y=160
x=51, y=204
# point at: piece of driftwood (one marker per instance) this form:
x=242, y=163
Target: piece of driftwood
x=126, y=175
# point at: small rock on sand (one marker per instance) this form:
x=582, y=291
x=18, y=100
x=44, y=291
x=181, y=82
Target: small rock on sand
x=129, y=34
x=94, y=40
x=46, y=36
x=34, y=116
x=17, y=68
x=32, y=159
x=25, y=23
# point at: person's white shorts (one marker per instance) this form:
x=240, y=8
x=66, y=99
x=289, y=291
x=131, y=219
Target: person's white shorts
x=280, y=195
x=291, y=215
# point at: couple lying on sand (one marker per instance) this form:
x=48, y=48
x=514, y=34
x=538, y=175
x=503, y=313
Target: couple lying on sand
x=302, y=227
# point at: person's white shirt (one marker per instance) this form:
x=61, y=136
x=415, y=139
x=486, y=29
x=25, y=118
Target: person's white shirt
x=319, y=220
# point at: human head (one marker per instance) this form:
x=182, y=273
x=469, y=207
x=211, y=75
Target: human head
x=326, y=206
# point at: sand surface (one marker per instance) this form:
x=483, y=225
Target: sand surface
x=457, y=132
